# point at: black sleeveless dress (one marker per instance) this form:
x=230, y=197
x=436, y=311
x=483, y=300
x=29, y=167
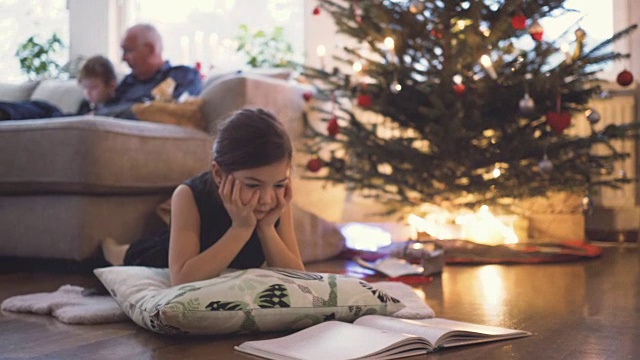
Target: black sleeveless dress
x=214, y=222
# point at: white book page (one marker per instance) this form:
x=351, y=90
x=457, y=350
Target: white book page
x=441, y=332
x=406, y=326
x=329, y=340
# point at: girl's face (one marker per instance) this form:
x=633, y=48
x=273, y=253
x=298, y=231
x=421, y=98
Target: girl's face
x=96, y=91
x=269, y=180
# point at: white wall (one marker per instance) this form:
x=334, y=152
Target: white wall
x=95, y=29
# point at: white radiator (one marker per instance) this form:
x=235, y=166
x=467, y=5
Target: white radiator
x=617, y=107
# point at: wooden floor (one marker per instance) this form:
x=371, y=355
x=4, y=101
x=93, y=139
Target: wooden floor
x=579, y=310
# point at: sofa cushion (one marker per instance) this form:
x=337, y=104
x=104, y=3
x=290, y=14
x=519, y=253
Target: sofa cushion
x=98, y=155
x=243, y=301
x=66, y=95
x=17, y=92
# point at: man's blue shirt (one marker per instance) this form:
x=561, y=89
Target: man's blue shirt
x=131, y=90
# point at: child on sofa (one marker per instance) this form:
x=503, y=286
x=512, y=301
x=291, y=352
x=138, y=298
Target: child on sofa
x=97, y=78
x=235, y=215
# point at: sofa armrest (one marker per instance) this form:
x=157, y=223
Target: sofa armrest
x=283, y=98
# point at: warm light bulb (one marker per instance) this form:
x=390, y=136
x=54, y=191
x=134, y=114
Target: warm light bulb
x=321, y=50
x=565, y=49
x=389, y=43
x=461, y=24
x=486, y=60
x=457, y=78
x=357, y=66
x=485, y=30
x=496, y=172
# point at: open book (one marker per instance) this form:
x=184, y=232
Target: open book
x=375, y=337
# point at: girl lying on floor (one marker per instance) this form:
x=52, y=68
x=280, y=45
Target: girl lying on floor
x=236, y=215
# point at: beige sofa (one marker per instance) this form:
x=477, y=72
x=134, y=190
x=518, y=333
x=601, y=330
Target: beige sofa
x=67, y=183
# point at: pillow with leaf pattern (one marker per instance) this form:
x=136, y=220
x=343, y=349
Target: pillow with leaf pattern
x=242, y=301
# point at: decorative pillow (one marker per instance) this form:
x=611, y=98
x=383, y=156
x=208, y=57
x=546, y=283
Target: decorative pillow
x=17, y=92
x=186, y=113
x=66, y=95
x=242, y=301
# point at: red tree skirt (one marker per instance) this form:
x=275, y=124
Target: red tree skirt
x=467, y=252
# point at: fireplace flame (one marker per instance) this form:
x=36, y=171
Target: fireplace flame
x=480, y=227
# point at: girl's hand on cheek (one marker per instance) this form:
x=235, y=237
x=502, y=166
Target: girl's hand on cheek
x=283, y=197
x=241, y=214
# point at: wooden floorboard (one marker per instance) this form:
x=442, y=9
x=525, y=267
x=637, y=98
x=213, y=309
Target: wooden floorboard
x=577, y=310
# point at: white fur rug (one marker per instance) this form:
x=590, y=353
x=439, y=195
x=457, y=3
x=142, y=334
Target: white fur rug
x=68, y=305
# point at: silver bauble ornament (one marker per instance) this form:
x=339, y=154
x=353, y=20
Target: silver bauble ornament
x=586, y=204
x=592, y=115
x=416, y=6
x=622, y=175
x=545, y=165
x=526, y=104
x=395, y=87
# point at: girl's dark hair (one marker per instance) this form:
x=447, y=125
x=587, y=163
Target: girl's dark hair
x=251, y=138
x=98, y=67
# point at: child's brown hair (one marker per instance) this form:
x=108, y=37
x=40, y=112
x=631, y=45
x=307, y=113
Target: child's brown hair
x=251, y=138
x=98, y=67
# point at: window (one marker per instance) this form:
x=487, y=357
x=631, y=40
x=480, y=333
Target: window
x=24, y=18
x=204, y=30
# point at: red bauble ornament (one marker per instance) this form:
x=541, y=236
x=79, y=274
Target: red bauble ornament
x=332, y=127
x=307, y=96
x=536, y=31
x=436, y=33
x=459, y=89
x=519, y=22
x=316, y=10
x=558, y=121
x=315, y=164
x=364, y=100
x=625, y=78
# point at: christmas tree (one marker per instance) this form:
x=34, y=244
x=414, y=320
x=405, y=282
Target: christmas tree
x=442, y=105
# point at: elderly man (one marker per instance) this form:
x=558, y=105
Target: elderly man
x=142, y=51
